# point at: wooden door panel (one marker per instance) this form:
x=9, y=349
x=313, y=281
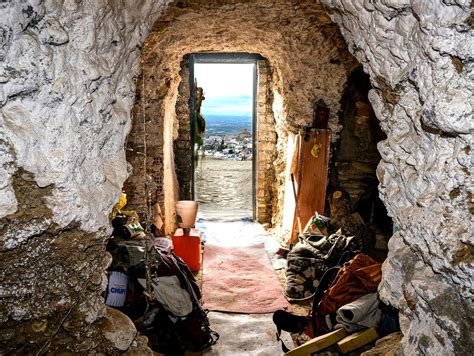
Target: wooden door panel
x=312, y=175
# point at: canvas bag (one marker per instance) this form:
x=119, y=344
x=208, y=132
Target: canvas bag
x=188, y=332
x=309, y=259
x=358, y=277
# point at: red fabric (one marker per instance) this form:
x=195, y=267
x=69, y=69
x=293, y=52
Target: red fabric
x=359, y=277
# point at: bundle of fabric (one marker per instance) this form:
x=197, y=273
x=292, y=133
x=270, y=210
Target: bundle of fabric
x=174, y=286
x=345, y=298
x=309, y=259
x=360, y=314
x=359, y=277
x=125, y=253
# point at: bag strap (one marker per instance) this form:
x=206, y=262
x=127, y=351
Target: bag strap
x=326, y=281
x=284, y=348
x=324, y=284
x=328, y=254
x=214, y=335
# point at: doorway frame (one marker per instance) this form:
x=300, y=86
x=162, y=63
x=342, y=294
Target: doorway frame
x=226, y=58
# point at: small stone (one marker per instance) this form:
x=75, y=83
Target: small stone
x=118, y=329
x=39, y=326
x=96, y=278
x=85, y=346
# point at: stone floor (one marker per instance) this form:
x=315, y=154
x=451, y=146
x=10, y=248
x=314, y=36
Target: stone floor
x=242, y=334
x=224, y=193
x=224, y=187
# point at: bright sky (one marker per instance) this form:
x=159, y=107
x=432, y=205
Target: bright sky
x=228, y=88
x=224, y=79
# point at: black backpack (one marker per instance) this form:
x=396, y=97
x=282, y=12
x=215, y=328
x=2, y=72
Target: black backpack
x=169, y=333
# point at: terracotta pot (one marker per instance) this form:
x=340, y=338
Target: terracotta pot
x=186, y=211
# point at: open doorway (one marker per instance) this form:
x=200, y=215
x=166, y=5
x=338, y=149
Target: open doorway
x=223, y=96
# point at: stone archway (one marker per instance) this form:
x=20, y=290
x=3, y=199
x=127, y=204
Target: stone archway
x=68, y=72
x=299, y=33
x=266, y=188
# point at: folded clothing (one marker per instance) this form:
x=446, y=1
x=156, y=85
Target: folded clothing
x=361, y=313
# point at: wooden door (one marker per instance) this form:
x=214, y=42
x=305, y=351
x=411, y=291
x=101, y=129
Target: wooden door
x=312, y=175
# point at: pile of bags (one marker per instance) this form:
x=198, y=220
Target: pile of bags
x=317, y=250
x=334, y=272
x=310, y=258
x=346, y=297
x=155, y=288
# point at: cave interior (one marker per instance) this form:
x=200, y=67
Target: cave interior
x=97, y=99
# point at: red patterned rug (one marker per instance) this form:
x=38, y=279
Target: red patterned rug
x=240, y=280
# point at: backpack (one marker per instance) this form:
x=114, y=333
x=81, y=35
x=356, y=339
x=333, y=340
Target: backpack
x=339, y=286
x=360, y=276
x=175, y=321
x=309, y=259
x=298, y=324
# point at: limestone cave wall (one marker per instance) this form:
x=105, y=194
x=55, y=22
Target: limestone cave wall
x=419, y=55
x=67, y=86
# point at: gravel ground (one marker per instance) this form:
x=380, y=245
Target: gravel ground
x=224, y=187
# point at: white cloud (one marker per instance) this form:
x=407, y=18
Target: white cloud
x=224, y=79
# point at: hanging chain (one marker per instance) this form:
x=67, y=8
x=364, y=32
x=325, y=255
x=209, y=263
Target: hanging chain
x=149, y=243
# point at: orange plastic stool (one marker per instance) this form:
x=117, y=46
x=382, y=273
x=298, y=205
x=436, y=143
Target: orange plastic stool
x=187, y=245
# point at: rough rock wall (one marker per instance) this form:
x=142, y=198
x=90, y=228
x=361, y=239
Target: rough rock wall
x=183, y=149
x=419, y=55
x=266, y=188
x=356, y=156
x=308, y=56
x=67, y=85
x=66, y=90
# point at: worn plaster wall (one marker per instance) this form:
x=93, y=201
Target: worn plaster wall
x=67, y=85
x=419, y=55
x=308, y=57
x=267, y=188
x=183, y=149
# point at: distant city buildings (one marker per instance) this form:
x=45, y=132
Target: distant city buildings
x=233, y=147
